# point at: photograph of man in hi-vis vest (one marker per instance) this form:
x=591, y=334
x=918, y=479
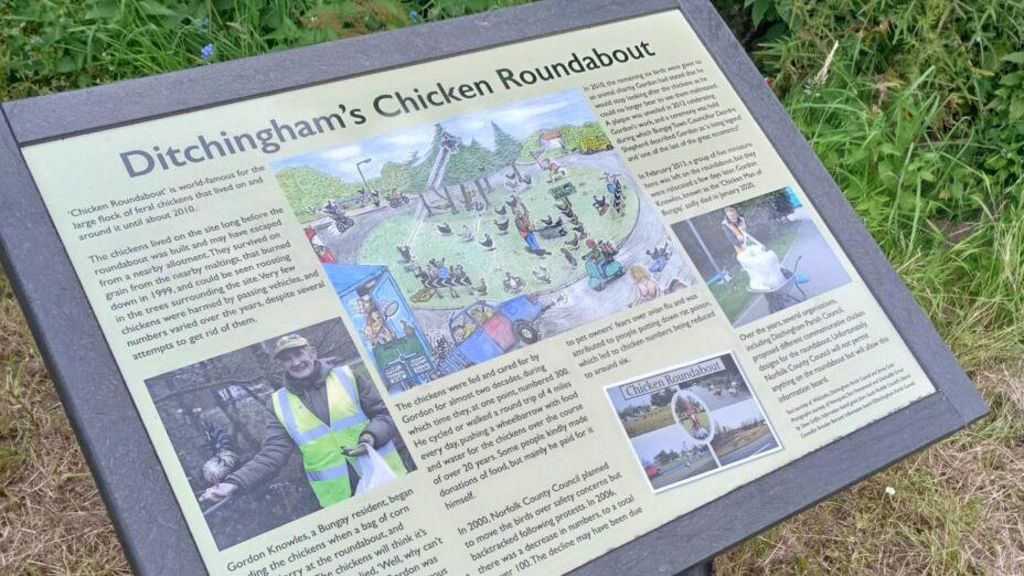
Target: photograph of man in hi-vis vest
x=332, y=418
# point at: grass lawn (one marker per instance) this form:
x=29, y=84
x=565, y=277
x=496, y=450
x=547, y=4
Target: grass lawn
x=726, y=443
x=657, y=418
x=509, y=254
x=919, y=117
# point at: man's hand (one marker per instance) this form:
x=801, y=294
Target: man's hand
x=365, y=441
x=218, y=492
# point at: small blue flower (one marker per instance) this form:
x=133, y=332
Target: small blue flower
x=207, y=51
x=414, y=17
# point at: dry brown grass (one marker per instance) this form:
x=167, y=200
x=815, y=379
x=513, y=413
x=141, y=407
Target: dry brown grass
x=957, y=508
x=51, y=518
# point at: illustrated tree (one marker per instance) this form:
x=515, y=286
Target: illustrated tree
x=531, y=144
x=573, y=135
x=662, y=458
x=472, y=163
x=667, y=457
x=395, y=175
x=506, y=149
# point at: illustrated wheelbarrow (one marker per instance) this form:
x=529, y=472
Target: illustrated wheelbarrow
x=553, y=231
x=781, y=297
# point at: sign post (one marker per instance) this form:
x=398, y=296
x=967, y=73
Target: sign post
x=647, y=327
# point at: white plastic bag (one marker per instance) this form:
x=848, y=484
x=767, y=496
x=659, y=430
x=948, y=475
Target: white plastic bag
x=373, y=471
x=762, y=267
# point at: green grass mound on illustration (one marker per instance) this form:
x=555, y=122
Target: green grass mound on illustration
x=509, y=253
x=308, y=189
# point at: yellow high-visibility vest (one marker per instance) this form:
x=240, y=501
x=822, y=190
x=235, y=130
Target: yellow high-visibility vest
x=327, y=467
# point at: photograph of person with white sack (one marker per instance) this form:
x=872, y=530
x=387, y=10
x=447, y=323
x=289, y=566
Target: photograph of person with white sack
x=762, y=255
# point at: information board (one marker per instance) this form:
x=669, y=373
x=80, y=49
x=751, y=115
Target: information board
x=551, y=289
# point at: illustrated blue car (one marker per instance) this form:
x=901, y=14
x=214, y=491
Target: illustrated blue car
x=485, y=330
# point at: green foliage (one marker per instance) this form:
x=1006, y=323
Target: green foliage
x=394, y=175
x=55, y=45
x=917, y=116
x=307, y=189
x=506, y=148
x=442, y=9
x=572, y=135
x=759, y=21
x=470, y=162
x=919, y=119
x=531, y=144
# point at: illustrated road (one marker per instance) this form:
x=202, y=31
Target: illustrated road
x=584, y=304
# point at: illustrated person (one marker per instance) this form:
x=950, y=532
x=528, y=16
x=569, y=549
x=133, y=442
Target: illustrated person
x=734, y=227
x=761, y=264
x=335, y=212
x=555, y=171
x=442, y=274
x=647, y=288
x=377, y=330
x=601, y=253
x=396, y=198
x=691, y=412
x=525, y=228
x=329, y=415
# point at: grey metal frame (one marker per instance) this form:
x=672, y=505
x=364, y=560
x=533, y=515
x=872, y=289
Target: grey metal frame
x=140, y=502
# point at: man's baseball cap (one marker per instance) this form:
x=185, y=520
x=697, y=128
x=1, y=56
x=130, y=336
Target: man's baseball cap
x=288, y=342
